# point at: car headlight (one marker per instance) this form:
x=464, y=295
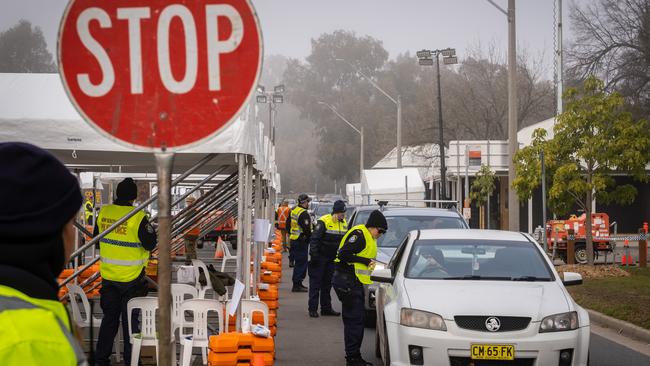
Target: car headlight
x=559, y=322
x=421, y=319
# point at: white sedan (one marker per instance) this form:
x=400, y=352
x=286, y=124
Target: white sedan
x=477, y=297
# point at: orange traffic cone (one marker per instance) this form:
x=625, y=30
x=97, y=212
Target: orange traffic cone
x=218, y=254
x=623, y=260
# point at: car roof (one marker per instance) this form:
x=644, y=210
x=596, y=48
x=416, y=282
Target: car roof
x=472, y=234
x=421, y=211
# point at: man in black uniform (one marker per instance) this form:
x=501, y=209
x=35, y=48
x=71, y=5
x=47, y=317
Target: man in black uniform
x=354, y=262
x=299, y=223
x=325, y=241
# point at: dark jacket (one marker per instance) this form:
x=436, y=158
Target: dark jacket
x=324, y=245
x=347, y=255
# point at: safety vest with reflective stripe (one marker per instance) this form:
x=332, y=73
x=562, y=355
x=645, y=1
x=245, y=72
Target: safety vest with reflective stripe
x=334, y=230
x=35, y=332
x=122, y=254
x=296, y=230
x=88, y=209
x=283, y=215
x=370, y=251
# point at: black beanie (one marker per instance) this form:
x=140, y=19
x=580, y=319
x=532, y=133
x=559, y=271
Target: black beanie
x=338, y=207
x=38, y=194
x=126, y=190
x=377, y=220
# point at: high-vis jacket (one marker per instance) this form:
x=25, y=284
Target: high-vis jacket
x=361, y=270
x=296, y=229
x=35, y=331
x=88, y=209
x=326, y=240
x=283, y=215
x=122, y=255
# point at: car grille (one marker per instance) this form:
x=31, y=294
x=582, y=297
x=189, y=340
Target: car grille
x=466, y=361
x=508, y=323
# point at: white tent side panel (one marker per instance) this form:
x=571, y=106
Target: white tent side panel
x=393, y=184
x=353, y=192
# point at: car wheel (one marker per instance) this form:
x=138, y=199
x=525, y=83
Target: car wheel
x=385, y=360
x=371, y=319
x=581, y=253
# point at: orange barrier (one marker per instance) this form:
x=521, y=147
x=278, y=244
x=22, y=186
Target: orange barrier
x=231, y=349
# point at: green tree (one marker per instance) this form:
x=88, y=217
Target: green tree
x=23, y=49
x=482, y=188
x=594, y=139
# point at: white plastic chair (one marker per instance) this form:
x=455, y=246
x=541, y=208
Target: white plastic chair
x=200, y=266
x=180, y=293
x=148, y=335
x=248, y=307
x=200, y=335
x=83, y=320
x=226, y=254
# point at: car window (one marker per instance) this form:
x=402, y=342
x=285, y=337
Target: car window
x=397, y=256
x=349, y=211
x=477, y=260
x=399, y=226
x=361, y=217
x=322, y=210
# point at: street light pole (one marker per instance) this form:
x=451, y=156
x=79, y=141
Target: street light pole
x=398, y=102
x=441, y=146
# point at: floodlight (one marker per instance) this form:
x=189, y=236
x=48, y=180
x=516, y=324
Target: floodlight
x=261, y=99
x=261, y=88
x=423, y=54
x=448, y=52
x=278, y=98
x=279, y=88
x=450, y=60
x=426, y=62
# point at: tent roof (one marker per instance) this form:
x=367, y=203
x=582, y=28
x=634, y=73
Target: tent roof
x=386, y=181
x=34, y=108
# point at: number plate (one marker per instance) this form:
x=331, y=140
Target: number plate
x=493, y=352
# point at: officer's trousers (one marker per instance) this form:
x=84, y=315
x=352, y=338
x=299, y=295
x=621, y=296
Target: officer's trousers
x=320, y=283
x=113, y=300
x=350, y=292
x=300, y=249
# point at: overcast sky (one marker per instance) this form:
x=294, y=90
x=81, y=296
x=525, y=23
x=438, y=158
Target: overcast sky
x=402, y=25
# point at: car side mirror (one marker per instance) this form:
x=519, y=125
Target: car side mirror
x=382, y=275
x=572, y=279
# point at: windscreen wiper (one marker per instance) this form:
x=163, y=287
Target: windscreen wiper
x=477, y=277
x=530, y=278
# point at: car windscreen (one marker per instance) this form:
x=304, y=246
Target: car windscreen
x=349, y=211
x=399, y=226
x=476, y=260
x=323, y=209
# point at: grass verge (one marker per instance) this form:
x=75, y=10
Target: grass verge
x=625, y=298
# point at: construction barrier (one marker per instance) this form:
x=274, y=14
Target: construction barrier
x=231, y=349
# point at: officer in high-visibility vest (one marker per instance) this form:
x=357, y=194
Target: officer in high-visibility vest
x=37, y=236
x=299, y=223
x=89, y=207
x=124, y=254
x=324, y=243
x=354, y=262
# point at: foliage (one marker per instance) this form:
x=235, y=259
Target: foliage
x=594, y=139
x=23, y=49
x=483, y=185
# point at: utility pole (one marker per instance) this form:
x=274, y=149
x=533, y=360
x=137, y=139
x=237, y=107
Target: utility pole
x=513, y=200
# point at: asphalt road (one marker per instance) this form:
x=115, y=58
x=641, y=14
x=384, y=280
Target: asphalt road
x=302, y=340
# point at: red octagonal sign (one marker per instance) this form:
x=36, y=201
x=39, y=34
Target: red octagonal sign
x=159, y=73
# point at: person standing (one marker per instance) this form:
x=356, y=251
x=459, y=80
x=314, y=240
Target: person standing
x=324, y=243
x=40, y=200
x=124, y=254
x=300, y=223
x=190, y=236
x=354, y=263
x=281, y=216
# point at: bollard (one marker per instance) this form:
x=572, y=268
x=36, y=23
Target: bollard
x=643, y=248
x=626, y=255
x=570, y=247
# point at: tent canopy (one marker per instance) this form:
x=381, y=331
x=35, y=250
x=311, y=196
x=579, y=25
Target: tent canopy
x=34, y=108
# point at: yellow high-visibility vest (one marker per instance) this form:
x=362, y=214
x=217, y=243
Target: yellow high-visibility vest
x=35, y=331
x=370, y=251
x=296, y=230
x=121, y=252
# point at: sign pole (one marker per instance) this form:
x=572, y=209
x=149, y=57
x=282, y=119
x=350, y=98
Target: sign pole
x=164, y=163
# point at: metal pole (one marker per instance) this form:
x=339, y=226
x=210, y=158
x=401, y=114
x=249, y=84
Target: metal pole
x=240, y=226
x=164, y=162
x=246, y=249
x=543, y=202
x=406, y=189
x=399, y=131
x=441, y=148
x=490, y=193
x=466, y=172
x=560, y=79
x=361, y=165
x=513, y=201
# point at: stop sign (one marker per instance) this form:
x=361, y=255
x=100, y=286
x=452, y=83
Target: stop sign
x=159, y=73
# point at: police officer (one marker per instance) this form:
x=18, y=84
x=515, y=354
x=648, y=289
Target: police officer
x=300, y=223
x=323, y=245
x=89, y=207
x=124, y=254
x=40, y=200
x=354, y=262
